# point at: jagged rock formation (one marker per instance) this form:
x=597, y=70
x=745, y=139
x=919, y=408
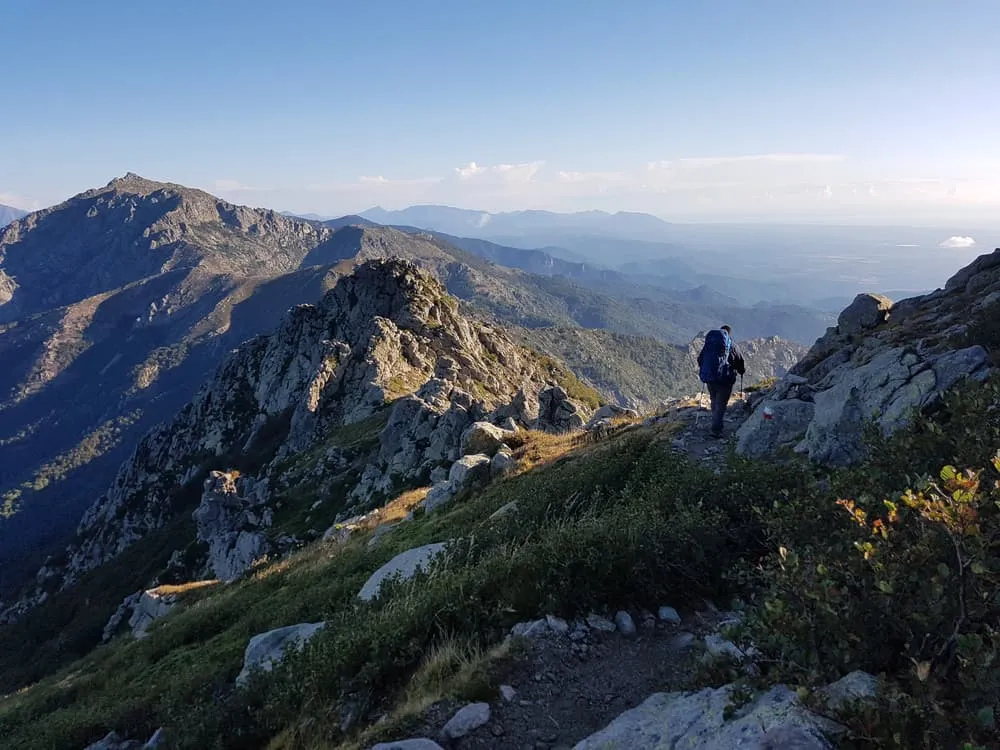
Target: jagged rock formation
x=881, y=362
x=231, y=519
x=385, y=357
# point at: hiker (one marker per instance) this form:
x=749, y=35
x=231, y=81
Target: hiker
x=719, y=361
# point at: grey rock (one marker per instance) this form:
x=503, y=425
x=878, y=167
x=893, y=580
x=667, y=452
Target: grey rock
x=596, y=622
x=624, y=623
x=856, y=686
x=669, y=615
x=507, y=693
x=530, y=629
x=267, y=649
x=467, y=719
x=717, y=646
x=439, y=496
x=418, y=743
x=157, y=742
x=483, y=437
x=503, y=463
x=696, y=721
x=470, y=470
x=439, y=474
x=557, y=625
x=504, y=510
x=865, y=312
x=609, y=412
x=230, y=519
x=404, y=565
x=152, y=605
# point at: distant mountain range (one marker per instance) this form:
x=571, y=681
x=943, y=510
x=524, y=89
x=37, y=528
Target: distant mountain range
x=9, y=214
x=464, y=222
x=116, y=305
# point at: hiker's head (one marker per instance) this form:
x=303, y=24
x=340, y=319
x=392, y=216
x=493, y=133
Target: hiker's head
x=728, y=330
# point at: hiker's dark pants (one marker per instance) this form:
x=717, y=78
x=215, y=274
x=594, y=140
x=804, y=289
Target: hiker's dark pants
x=720, y=393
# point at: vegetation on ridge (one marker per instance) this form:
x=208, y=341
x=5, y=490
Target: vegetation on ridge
x=620, y=523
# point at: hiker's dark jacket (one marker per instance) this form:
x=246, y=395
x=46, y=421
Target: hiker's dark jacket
x=736, y=363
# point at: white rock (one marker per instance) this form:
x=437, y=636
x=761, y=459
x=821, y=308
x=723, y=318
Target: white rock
x=530, y=629
x=503, y=463
x=469, y=469
x=503, y=510
x=624, y=623
x=716, y=646
x=267, y=649
x=152, y=605
x=467, y=719
x=557, y=625
x=669, y=615
x=419, y=743
x=697, y=721
x=405, y=565
x=439, y=496
x=483, y=437
x=856, y=686
x=596, y=622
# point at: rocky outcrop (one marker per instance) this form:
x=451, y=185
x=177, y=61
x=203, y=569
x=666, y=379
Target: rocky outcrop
x=231, y=519
x=384, y=373
x=483, y=437
x=881, y=363
x=267, y=649
x=402, y=566
x=700, y=721
x=558, y=412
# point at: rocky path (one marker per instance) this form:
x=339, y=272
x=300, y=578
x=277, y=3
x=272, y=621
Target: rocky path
x=566, y=684
x=694, y=415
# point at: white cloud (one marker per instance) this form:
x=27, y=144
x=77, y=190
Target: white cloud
x=503, y=173
x=234, y=186
x=958, y=243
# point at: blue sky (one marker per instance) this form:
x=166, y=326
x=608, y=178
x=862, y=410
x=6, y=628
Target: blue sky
x=804, y=109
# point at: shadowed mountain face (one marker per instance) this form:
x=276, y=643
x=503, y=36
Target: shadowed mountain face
x=116, y=305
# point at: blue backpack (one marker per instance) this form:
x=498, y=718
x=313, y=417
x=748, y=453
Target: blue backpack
x=715, y=365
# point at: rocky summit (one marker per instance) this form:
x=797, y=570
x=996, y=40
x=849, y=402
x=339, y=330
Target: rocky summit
x=881, y=364
x=369, y=391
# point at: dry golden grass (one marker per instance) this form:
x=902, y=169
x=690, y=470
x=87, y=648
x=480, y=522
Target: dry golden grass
x=456, y=668
x=397, y=509
x=183, y=588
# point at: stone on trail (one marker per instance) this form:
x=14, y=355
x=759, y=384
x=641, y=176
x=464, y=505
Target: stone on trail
x=467, y=719
x=557, y=625
x=596, y=622
x=697, y=721
x=507, y=693
x=417, y=743
x=405, y=565
x=624, y=623
x=530, y=629
x=669, y=615
x=267, y=649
